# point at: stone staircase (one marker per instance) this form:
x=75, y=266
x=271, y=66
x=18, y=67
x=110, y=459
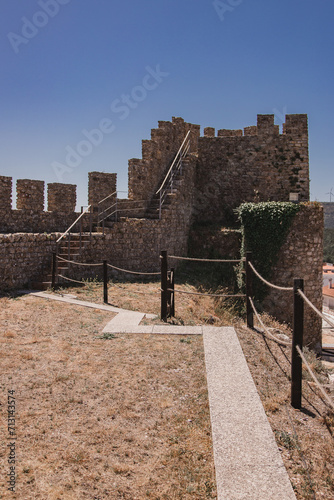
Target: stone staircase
x=66, y=251
x=72, y=244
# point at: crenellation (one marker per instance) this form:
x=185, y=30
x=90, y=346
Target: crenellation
x=219, y=174
x=296, y=125
x=62, y=197
x=5, y=192
x=209, y=132
x=100, y=185
x=252, y=130
x=265, y=124
x=30, y=195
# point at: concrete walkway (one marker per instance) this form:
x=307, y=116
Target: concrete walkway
x=247, y=460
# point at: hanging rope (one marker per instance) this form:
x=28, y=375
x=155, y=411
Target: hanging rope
x=133, y=272
x=204, y=294
x=289, y=289
x=329, y=401
x=269, y=335
x=69, y=279
x=203, y=260
x=309, y=303
x=78, y=263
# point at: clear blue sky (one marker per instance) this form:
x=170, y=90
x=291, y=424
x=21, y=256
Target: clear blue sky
x=67, y=65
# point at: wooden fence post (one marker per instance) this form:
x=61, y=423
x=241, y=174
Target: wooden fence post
x=105, y=282
x=164, y=284
x=249, y=291
x=297, y=340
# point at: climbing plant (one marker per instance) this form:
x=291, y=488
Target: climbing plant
x=264, y=229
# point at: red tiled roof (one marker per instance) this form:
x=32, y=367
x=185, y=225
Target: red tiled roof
x=329, y=292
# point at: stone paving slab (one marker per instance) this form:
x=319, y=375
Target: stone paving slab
x=112, y=327
x=70, y=299
x=247, y=460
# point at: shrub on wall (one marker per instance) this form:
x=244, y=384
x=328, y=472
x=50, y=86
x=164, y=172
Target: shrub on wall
x=264, y=229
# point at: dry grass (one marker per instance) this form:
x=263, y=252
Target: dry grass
x=305, y=437
x=121, y=418
x=128, y=417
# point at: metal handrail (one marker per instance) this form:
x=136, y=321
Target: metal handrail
x=109, y=196
x=74, y=223
x=172, y=165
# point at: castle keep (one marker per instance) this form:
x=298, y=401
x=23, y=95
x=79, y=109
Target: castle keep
x=218, y=172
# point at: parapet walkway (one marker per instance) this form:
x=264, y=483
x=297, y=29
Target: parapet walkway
x=247, y=460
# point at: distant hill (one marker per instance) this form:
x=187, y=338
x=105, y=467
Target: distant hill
x=328, y=214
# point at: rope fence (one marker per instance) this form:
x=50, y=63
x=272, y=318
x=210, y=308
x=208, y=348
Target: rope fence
x=105, y=264
x=327, y=398
x=315, y=309
x=79, y=263
x=266, y=330
x=191, y=259
x=283, y=288
x=205, y=294
x=297, y=357
x=168, y=292
x=70, y=279
x=133, y=272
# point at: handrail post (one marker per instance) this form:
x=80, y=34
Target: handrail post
x=54, y=270
x=90, y=223
x=69, y=246
x=81, y=230
x=297, y=340
x=160, y=201
x=105, y=282
x=164, y=281
x=249, y=291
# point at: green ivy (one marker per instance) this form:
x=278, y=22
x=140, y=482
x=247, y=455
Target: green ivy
x=264, y=229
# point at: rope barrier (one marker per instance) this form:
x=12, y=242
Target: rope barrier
x=136, y=291
x=203, y=260
x=69, y=279
x=269, y=335
x=133, y=272
x=289, y=289
x=329, y=401
x=309, y=303
x=205, y=294
x=78, y=263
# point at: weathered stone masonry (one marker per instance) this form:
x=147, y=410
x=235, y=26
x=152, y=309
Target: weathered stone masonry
x=301, y=256
x=220, y=173
x=259, y=165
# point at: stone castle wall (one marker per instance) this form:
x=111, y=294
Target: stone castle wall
x=301, y=256
x=23, y=257
x=259, y=165
x=221, y=172
x=147, y=173
x=29, y=216
x=133, y=244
